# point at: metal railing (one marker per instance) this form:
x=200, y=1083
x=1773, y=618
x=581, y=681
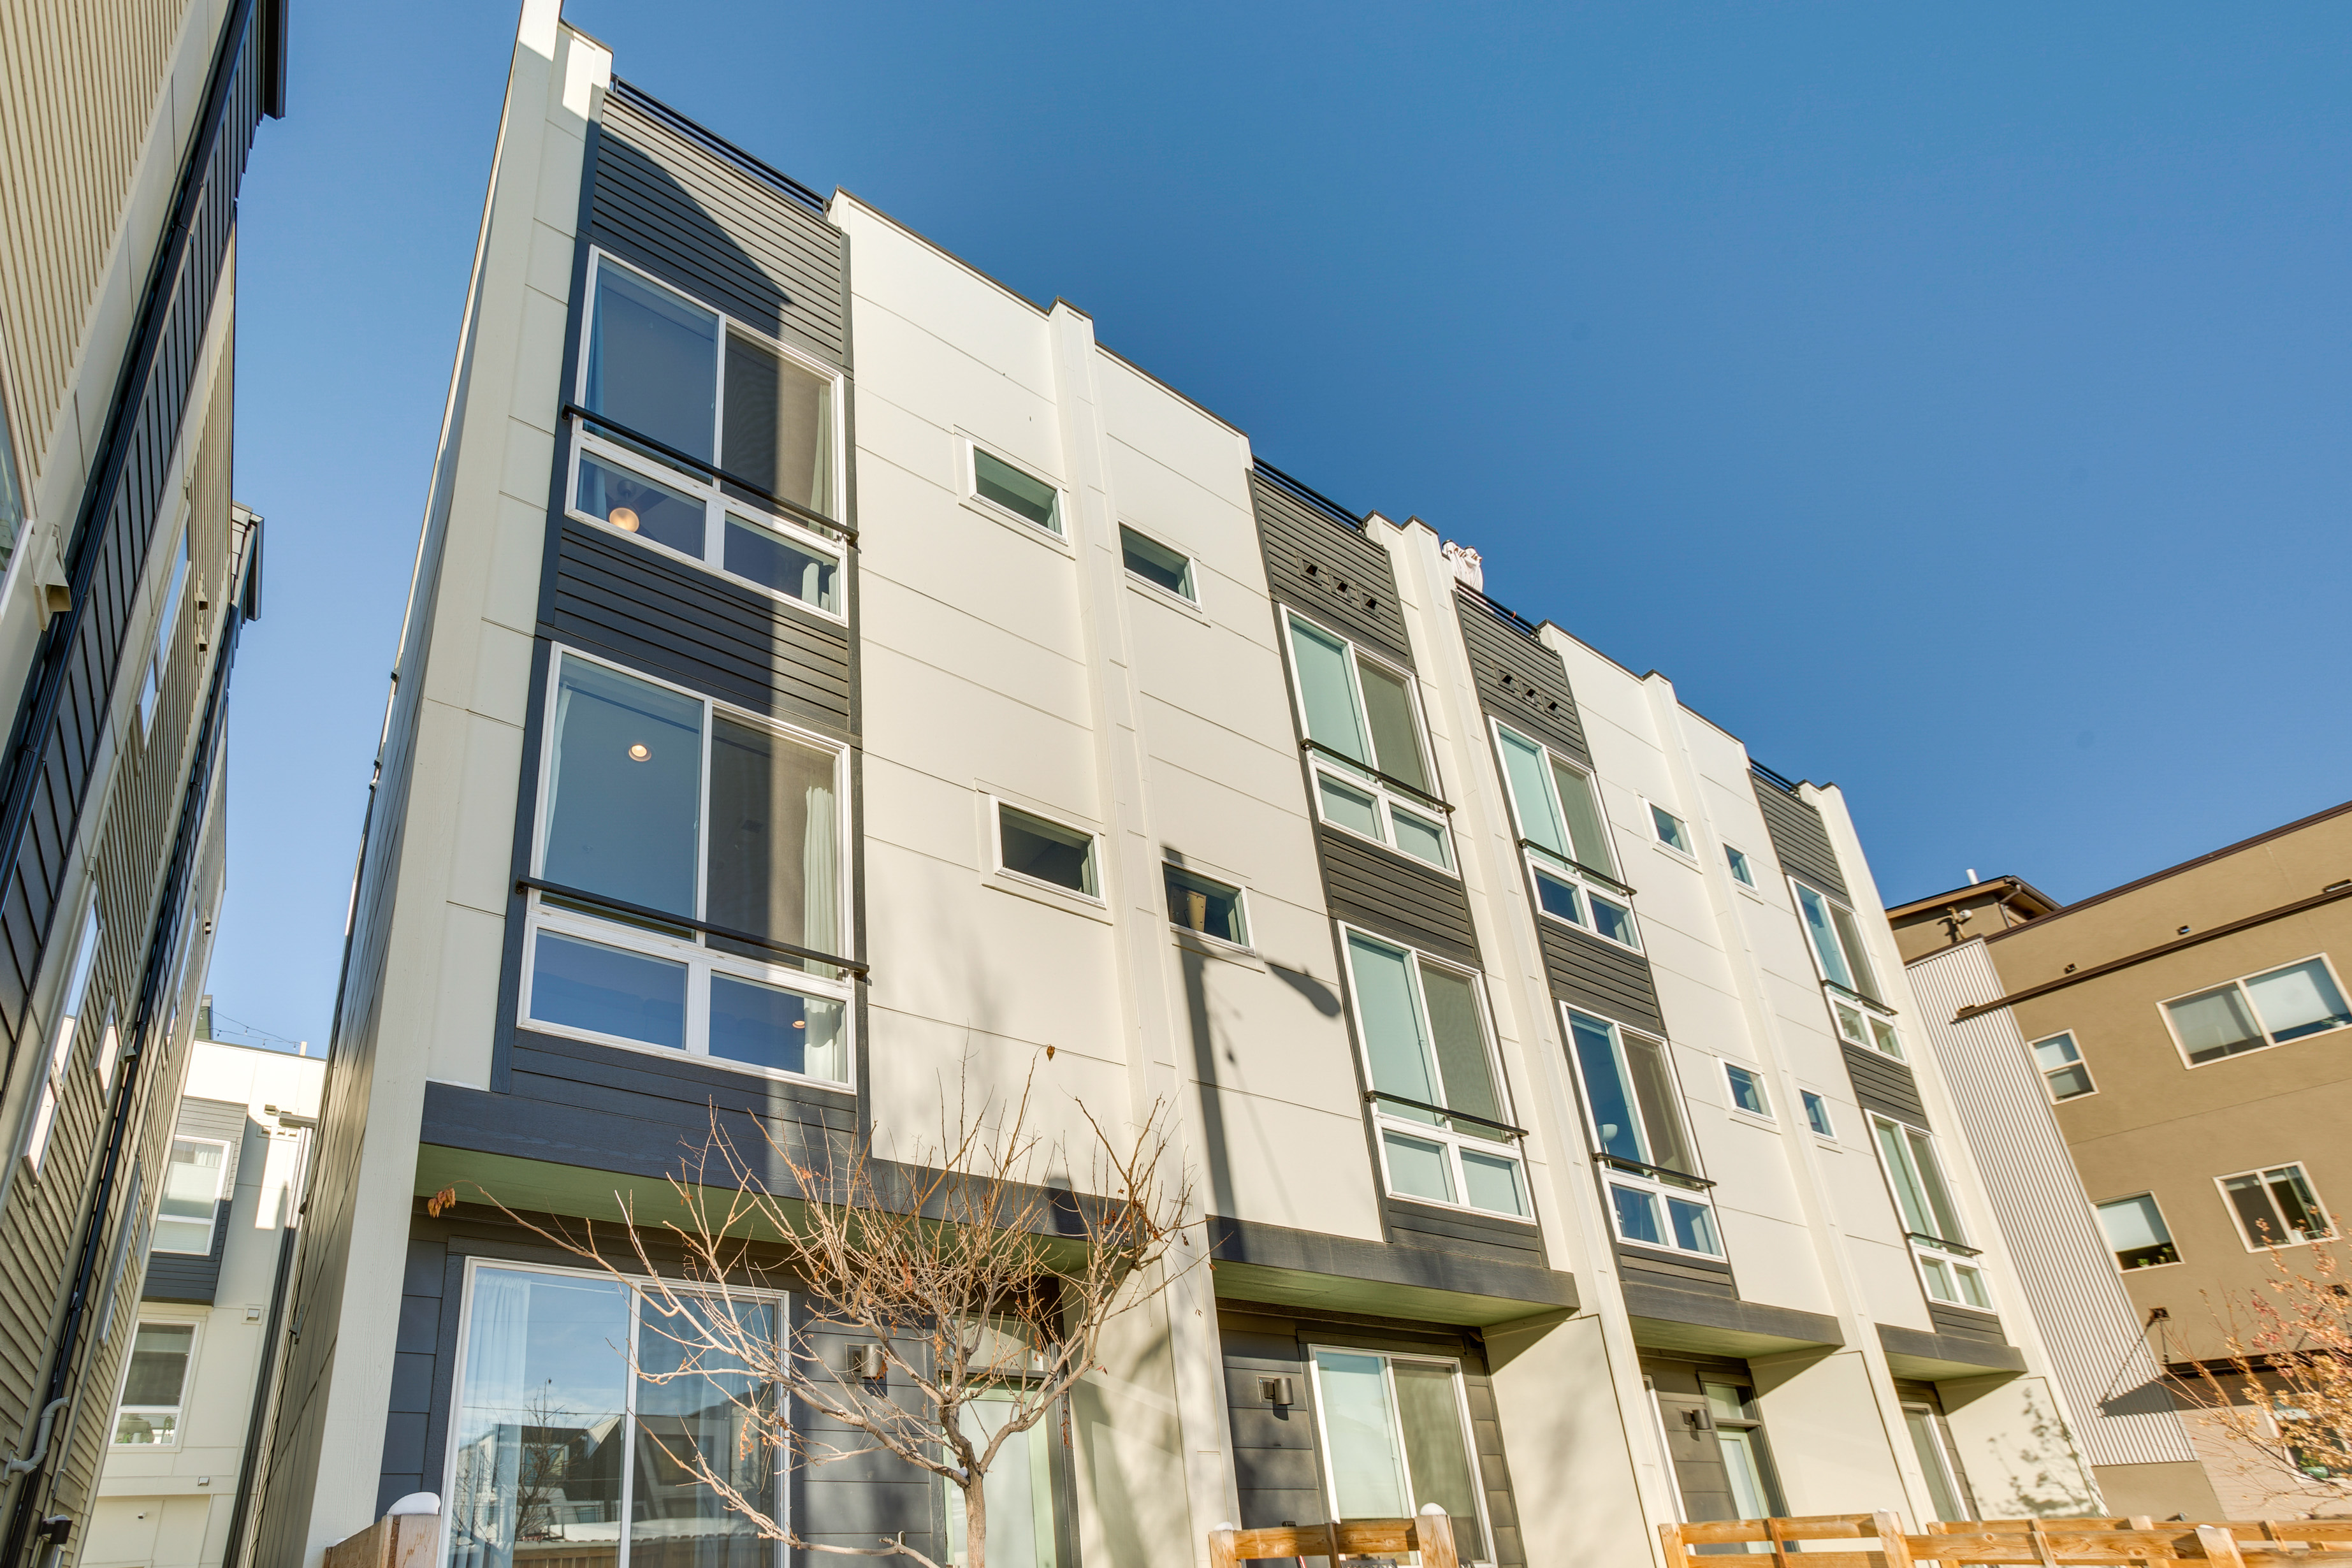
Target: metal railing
x=1579, y=867
x=664, y=917
x=670, y=454
x=1371, y=772
x=1657, y=1173
x=1384, y=1096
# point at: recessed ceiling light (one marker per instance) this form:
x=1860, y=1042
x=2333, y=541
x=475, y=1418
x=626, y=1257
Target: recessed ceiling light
x=639, y=751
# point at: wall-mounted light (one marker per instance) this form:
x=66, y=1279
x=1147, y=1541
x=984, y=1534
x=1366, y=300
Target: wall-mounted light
x=623, y=517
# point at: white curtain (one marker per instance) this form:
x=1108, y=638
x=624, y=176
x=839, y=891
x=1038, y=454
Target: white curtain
x=821, y=871
x=482, y=1526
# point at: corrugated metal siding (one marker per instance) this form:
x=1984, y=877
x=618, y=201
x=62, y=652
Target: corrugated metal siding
x=1397, y=896
x=1588, y=972
x=1884, y=1084
x=1520, y=681
x=676, y=208
x=2065, y=1269
x=81, y=85
x=1332, y=574
x=1799, y=840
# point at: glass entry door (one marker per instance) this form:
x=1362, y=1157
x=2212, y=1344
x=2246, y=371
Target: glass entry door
x=1019, y=1491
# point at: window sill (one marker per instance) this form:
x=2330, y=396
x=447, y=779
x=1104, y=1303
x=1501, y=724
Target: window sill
x=1046, y=893
x=1442, y=1207
x=1212, y=947
x=1161, y=596
x=1750, y=1119
x=1020, y=525
x=1676, y=855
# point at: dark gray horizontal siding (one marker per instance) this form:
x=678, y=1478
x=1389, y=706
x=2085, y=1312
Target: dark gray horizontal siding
x=1640, y=1266
x=1397, y=897
x=1800, y=841
x=1884, y=1084
x=1454, y=1230
x=1593, y=974
x=1963, y=1323
x=677, y=621
x=688, y=216
x=1334, y=575
x=1520, y=681
x=184, y=1276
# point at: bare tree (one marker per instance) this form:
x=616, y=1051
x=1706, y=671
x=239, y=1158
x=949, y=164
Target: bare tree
x=2282, y=1395
x=975, y=1280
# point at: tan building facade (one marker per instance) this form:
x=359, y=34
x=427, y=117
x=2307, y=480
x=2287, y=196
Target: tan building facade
x=2185, y=1033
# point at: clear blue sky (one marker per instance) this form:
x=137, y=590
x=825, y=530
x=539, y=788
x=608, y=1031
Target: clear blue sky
x=1952, y=402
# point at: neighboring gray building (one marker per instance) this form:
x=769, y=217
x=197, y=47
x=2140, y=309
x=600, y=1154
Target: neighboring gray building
x=792, y=597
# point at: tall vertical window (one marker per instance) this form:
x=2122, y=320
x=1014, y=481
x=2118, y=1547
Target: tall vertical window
x=1657, y=1195
x=1947, y=1263
x=656, y=803
x=1436, y=1093
x=1396, y=1438
x=558, y=1438
x=716, y=442
x=1857, y=1005
x=12, y=489
x=2063, y=1068
x=155, y=1385
x=192, y=1191
x=1565, y=839
x=2136, y=1232
x=1373, y=773
x=158, y=659
x=2266, y=1009
x=1935, y=1462
x=2276, y=1207
x=1747, y=1462
x=70, y=1007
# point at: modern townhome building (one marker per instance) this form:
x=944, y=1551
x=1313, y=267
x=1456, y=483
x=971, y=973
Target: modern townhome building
x=176, y=1484
x=128, y=574
x=2178, y=1042
x=829, y=673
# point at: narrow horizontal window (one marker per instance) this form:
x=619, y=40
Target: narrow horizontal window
x=1025, y=496
x=2062, y=1068
x=1198, y=903
x=1046, y=851
x=767, y=555
x=1747, y=1090
x=2259, y=1011
x=2136, y=1232
x=1157, y=564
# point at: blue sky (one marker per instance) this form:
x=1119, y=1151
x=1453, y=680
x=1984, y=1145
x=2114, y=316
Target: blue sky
x=1952, y=402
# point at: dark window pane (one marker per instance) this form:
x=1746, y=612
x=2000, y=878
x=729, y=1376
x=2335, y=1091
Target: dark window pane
x=770, y=559
x=772, y=1027
x=1155, y=563
x=1653, y=1087
x=2254, y=1212
x=1396, y=739
x=653, y=362
x=1559, y=898
x=1210, y=908
x=624, y=789
x=1615, y=922
x=1015, y=491
x=1429, y=1409
x=634, y=504
x=1606, y=1090
x=779, y=425
x=587, y=985
x=1047, y=850
x=158, y=1364
x=1463, y=1066
x=775, y=846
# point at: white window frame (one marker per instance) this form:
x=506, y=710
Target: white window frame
x=2272, y=1043
x=2263, y=1173
x=1585, y=883
x=716, y=502
x=1479, y=1553
x=1875, y=1019
x=1240, y=903
x=1190, y=597
x=1676, y=1187
x=1653, y=811
x=1100, y=897
x=1953, y=1253
x=1742, y=867
x=2033, y=1054
x=731, y=1293
x=968, y=485
x=1387, y=799
x=123, y=1383
x=1807, y=1100
x=1763, y=1092
x=167, y=621
x=2173, y=1241
x=1501, y=1146
x=702, y=960
x=73, y=1006
x=220, y=1187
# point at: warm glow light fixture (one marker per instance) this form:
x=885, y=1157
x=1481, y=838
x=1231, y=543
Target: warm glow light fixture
x=623, y=517
x=639, y=751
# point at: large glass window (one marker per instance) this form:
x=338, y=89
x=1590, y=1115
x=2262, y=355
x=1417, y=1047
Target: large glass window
x=1856, y=1004
x=155, y=1386
x=1371, y=773
x=745, y=484
x=1657, y=1195
x=2063, y=1068
x=1396, y=1438
x=658, y=803
x=1565, y=839
x=2276, y=1207
x=2266, y=1009
x=1438, y=1099
x=1019, y=1491
x=1947, y=1263
x=558, y=1449
x=2137, y=1231
x=1934, y=1462
x=1739, y=1438
x=192, y=1190
x=70, y=1007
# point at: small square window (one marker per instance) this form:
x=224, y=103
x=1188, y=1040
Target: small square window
x=1673, y=832
x=1157, y=564
x=2137, y=1231
x=1817, y=1114
x=1211, y=908
x=1025, y=496
x=1747, y=1091
x=1742, y=871
x=1046, y=851
x=2062, y=1067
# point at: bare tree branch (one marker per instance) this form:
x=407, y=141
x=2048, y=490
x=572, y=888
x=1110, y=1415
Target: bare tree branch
x=2282, y=1395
